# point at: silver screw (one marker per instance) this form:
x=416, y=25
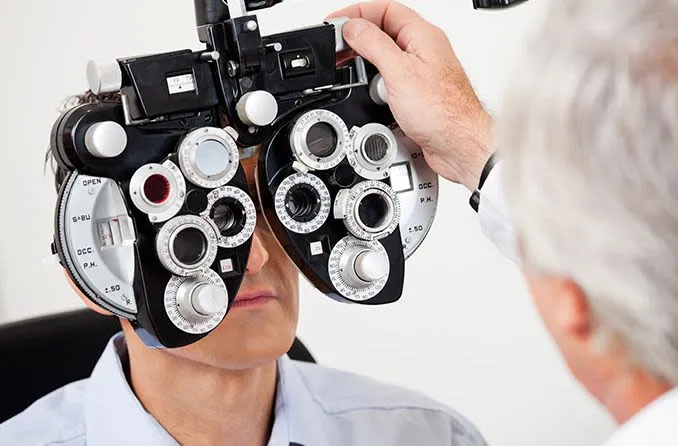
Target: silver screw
x=277, y=46
x=251, y=26
x=232, y=68
x=210, y=56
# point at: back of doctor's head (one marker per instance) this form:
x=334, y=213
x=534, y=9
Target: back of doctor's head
x=589, y=136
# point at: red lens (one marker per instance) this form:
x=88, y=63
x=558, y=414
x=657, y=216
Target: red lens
x=157, y=189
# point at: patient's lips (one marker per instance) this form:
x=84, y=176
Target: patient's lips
x=254, y=298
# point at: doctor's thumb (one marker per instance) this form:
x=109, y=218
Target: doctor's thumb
x=370, y=42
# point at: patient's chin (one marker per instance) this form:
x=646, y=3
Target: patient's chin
x=240, y=346
x=240, y=355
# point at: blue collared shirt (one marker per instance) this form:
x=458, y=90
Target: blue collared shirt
x=315, y=406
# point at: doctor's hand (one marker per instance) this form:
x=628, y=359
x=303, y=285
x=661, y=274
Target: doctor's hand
x=428, y=91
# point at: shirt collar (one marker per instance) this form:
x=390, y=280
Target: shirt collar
x=113, y=413
x=656, y=424
x=115, y=416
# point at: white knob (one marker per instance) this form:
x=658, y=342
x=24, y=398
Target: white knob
x=104, y=76
x=378, y=90
x=106, y=139
x=338, y=23
x=198, y=300
x=371, y=266
x=258, y=108
x=209, y=299
x=360, y=267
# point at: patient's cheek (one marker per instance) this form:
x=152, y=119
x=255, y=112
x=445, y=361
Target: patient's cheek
x=87, y=302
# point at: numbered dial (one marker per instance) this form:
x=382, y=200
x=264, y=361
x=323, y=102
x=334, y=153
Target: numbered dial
x=373, y=148
x=209, y=157
x=319, y=139
x=359, y=269
x=370, y=210
x=96, y=236
x=231, y=211
x=187, y=244
x=416, y=186
x=158, y=190
x=196, y=304
x=302, y=203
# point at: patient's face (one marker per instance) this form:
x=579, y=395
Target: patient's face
x=256, y=330
x=262, y=323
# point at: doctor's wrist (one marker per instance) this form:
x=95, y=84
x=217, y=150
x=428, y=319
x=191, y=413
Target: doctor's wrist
x=477, y=150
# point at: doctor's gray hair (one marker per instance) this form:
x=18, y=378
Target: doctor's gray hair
x=589, y=138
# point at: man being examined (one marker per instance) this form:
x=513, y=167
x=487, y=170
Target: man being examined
x=236, y=386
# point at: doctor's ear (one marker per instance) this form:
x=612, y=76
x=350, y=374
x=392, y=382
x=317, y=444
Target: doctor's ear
x=91, y=305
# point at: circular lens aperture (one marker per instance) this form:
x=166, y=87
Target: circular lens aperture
x=186, y=244
x=375, y=211
x=321, y=140
x=302, y=203
x=376, y=147
x=231, y=212
x=373, y=149
x=208, y=157
x=229, y=216
x=212, y=157
x=189, y=246
x=370, y=210
x=157, y=189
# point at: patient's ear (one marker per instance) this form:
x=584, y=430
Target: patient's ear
x=563, y=306
x=91, y=305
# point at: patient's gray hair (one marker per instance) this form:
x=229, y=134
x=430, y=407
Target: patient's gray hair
x=589, y=135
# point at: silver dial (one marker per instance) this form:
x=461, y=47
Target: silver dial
x=196, y=304
x=187, y=244
x=158, y=190
x=302, y=203
x=416, y=186
x=319, y=139
x=358, y=269
x=370, y=210
x=231, y=211
x=209, y=157
x=372, y=150
x=97, y=237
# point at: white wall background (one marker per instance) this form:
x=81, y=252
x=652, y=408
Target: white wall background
x=465, y=331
